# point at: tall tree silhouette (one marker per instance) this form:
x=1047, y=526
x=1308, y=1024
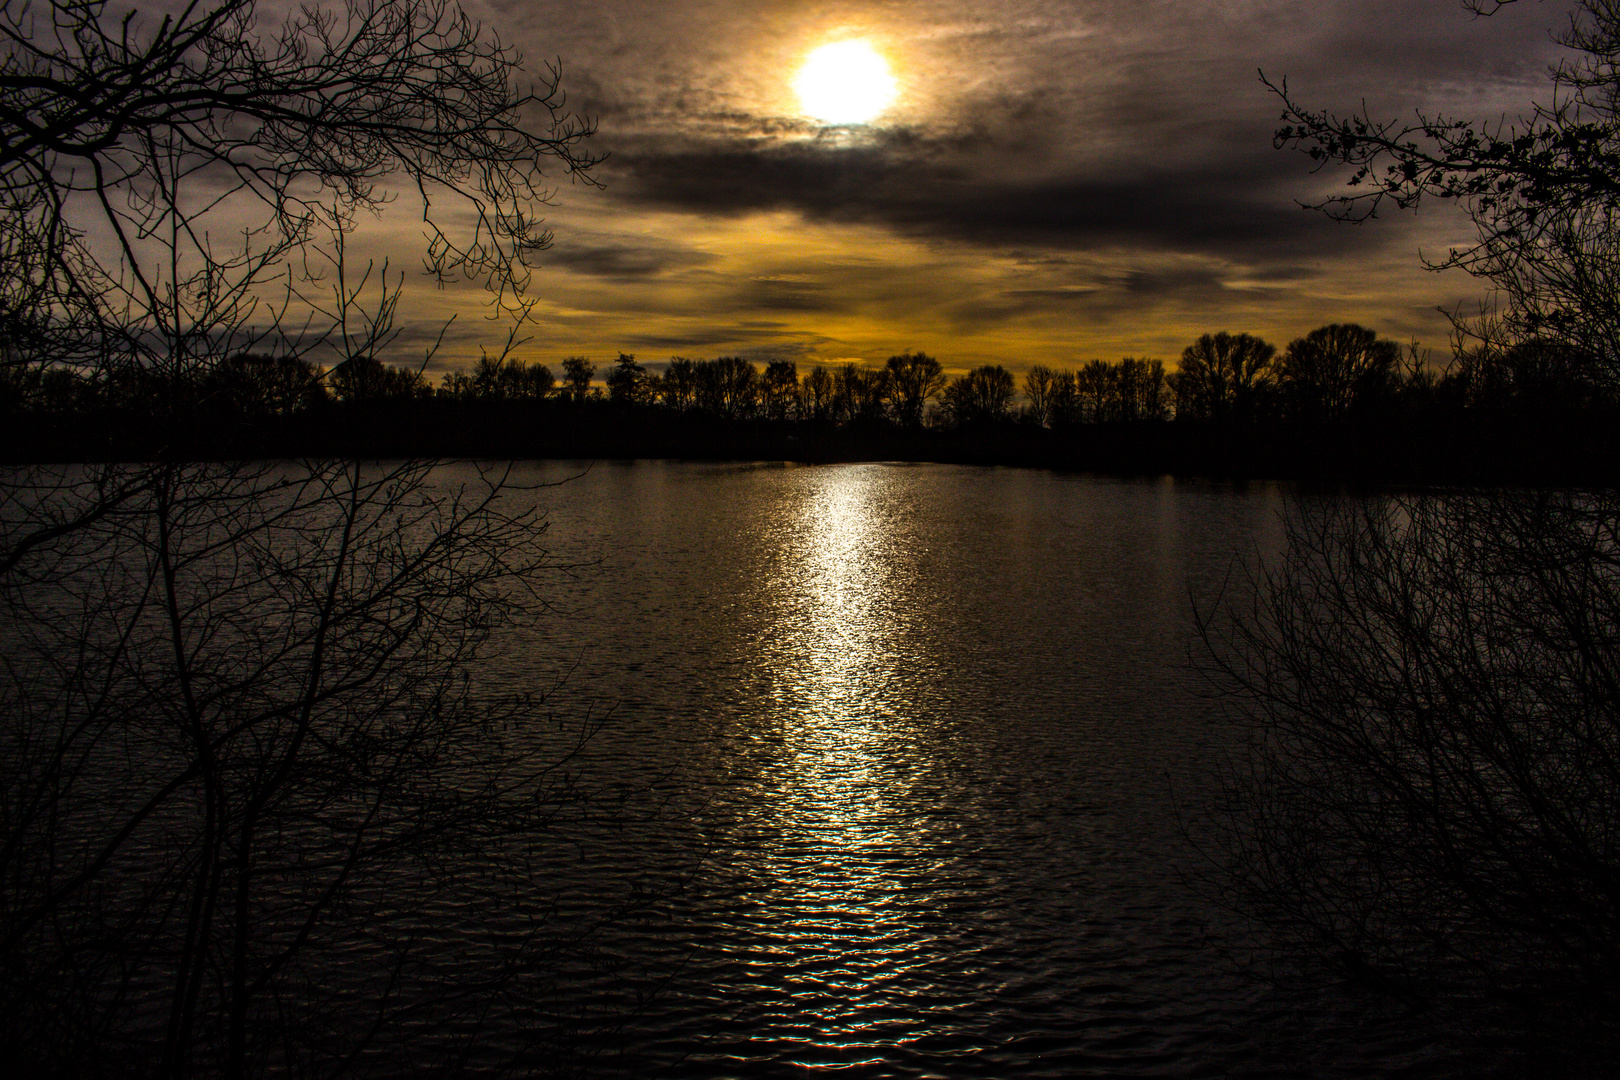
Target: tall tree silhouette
x=983, y=395
x=578, y=372
x=1429, y=682
x=779, y=390
x=914, y=379
x=1222, y=375
x=1326, y=372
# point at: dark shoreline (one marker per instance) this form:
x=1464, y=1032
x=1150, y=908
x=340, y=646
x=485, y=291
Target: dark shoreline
x=1465, y=448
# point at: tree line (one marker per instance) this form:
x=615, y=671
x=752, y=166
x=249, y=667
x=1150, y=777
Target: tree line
x=1335, y=373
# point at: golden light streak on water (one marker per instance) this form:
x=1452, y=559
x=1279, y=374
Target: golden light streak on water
x=837, y=808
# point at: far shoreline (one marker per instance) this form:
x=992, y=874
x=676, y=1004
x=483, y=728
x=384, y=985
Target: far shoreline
x=1465, y=449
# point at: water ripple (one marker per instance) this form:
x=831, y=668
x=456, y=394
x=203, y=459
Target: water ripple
x=909, y=755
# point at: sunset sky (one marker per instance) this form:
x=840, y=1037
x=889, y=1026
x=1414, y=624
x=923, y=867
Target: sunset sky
x=1056, y=180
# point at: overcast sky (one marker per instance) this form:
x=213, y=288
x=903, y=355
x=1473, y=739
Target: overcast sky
x=1057, y=180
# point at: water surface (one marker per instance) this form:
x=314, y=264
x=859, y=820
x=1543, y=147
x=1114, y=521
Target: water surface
x=911, y=757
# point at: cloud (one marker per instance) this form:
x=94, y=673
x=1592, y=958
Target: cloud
x=1242, y=206
x=624, y=259
x=740, y=339
x=1037, y=124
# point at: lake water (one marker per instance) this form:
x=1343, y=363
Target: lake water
x=909, y=757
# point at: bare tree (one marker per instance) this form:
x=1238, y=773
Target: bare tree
x=779, y=390
x=241, y=743
x=146, y=129
x=239, y=733
x=860, y=394
x=1142, y=389
x=727, y=387
x=983, y=395
x=1430, y=682
x=1040, y=383
x=1067, y=400
x=1328, y=371
x=1542, y=192
x=1222, y=375
x=914, y=379
x=578, y=372
x=818, y=393
x=679, y=384
x=1097, y=383
x=1433, y=689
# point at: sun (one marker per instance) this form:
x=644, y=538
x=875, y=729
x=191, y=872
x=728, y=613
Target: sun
x=847, y=82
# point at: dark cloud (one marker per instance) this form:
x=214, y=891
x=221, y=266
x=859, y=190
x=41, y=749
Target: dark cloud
x=1070, y=294
x=1161, y=282
x=1110, y=293
x=732, y=340
x=1240, y=207
x=676, y=343
x=626, y=261
x=793, y=296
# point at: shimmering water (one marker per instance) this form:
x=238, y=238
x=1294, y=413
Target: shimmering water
x=909, y=757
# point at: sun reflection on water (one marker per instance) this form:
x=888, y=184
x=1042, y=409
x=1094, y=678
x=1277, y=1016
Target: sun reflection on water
x=905, y=735
x=845, y=917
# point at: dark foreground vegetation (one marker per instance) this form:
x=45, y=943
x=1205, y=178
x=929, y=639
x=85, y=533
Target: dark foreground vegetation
x=249, y=777
x=1431, y=811
x=1431, y=685
x=1339, y=403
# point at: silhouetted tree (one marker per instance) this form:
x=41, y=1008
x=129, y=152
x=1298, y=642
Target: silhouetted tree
x=1430, y=682
x=679, y=384
x=627, y=382
x=912, y=379
x=503, y=377
x=1143, y=390
x=1097, y=384
x=53, y=390
x=577, y=375
x=1542, y=192
x=1495, y=368
x=535, y=381
x=224, y=854
x=860, y=394
x=983, y=395
x=489, y=378
x=727, y=387
x=1066, y=406
x=110, y=123
x=1040, y=382
x=250, y=384
x=365, y=378
x=779, y=390
x=1333, y=368
x=236, y=732
x=1433, y=687
x=819, y=395
x=1222, y=375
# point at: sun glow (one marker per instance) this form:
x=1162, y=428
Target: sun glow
x=847, y=82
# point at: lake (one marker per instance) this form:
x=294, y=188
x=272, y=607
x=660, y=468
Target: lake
x=912, y=762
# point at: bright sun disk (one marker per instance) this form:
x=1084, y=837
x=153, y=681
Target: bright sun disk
x=847, y=82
